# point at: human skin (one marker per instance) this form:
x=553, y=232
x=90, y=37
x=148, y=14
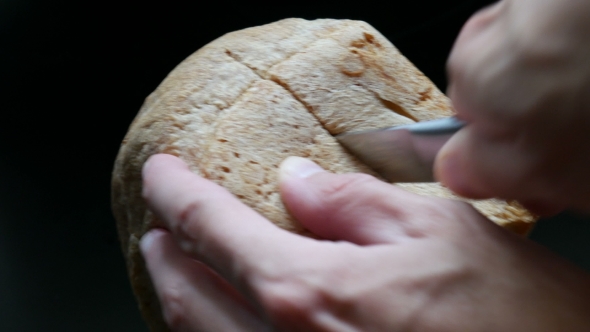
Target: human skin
x=386, y=260
x=519, y=75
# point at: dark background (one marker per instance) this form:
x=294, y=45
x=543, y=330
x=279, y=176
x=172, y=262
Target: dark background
x=72, y=77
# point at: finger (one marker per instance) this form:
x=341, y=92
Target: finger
x=193, y=297
x=464, y=65
x=481, y=20
x=457, y=168
x=476, y=166
x=357, y=207
x=479, y=167
x=211, y=224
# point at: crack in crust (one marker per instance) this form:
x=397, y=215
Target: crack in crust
x=356, y=44
x=282, y=84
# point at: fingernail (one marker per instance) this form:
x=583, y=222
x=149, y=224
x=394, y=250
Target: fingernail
x=299, y=167
x=147, y=240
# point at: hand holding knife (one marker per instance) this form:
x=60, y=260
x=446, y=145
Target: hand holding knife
x=402, y=153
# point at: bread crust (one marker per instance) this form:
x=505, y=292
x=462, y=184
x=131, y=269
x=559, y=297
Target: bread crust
x=237, y=107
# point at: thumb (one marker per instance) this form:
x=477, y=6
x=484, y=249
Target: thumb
x=476, y=166
x=356, y=207
x=460, y=166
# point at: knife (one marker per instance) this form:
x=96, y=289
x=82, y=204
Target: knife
x=402, y=153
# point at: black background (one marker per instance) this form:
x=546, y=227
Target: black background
x=72, y=77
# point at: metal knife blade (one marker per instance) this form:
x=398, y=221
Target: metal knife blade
x=402, y=153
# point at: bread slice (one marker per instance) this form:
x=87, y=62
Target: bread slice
x=240, y=105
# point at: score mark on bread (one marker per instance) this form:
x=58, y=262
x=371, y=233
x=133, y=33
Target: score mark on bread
x=236, y=108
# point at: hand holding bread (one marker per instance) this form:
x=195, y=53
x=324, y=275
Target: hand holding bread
x=390, y=260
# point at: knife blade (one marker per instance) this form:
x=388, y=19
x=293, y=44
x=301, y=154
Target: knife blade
x=402, y=153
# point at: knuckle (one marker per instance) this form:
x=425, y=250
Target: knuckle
x=295, y=297
x=173, y=307
x=184, y=217
x=460, y=220
x=347, y=186
x=351, y=196
x=454, y=210
x=289, y=301
x=294, y=294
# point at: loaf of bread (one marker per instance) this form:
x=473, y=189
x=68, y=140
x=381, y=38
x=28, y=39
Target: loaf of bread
x=240, y=105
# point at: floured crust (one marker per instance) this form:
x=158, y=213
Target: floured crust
x=510, y=215
x=240, y=105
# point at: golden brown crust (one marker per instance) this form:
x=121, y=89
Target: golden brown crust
x=240, y=105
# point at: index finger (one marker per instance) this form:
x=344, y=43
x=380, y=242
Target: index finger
x=210, y=223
